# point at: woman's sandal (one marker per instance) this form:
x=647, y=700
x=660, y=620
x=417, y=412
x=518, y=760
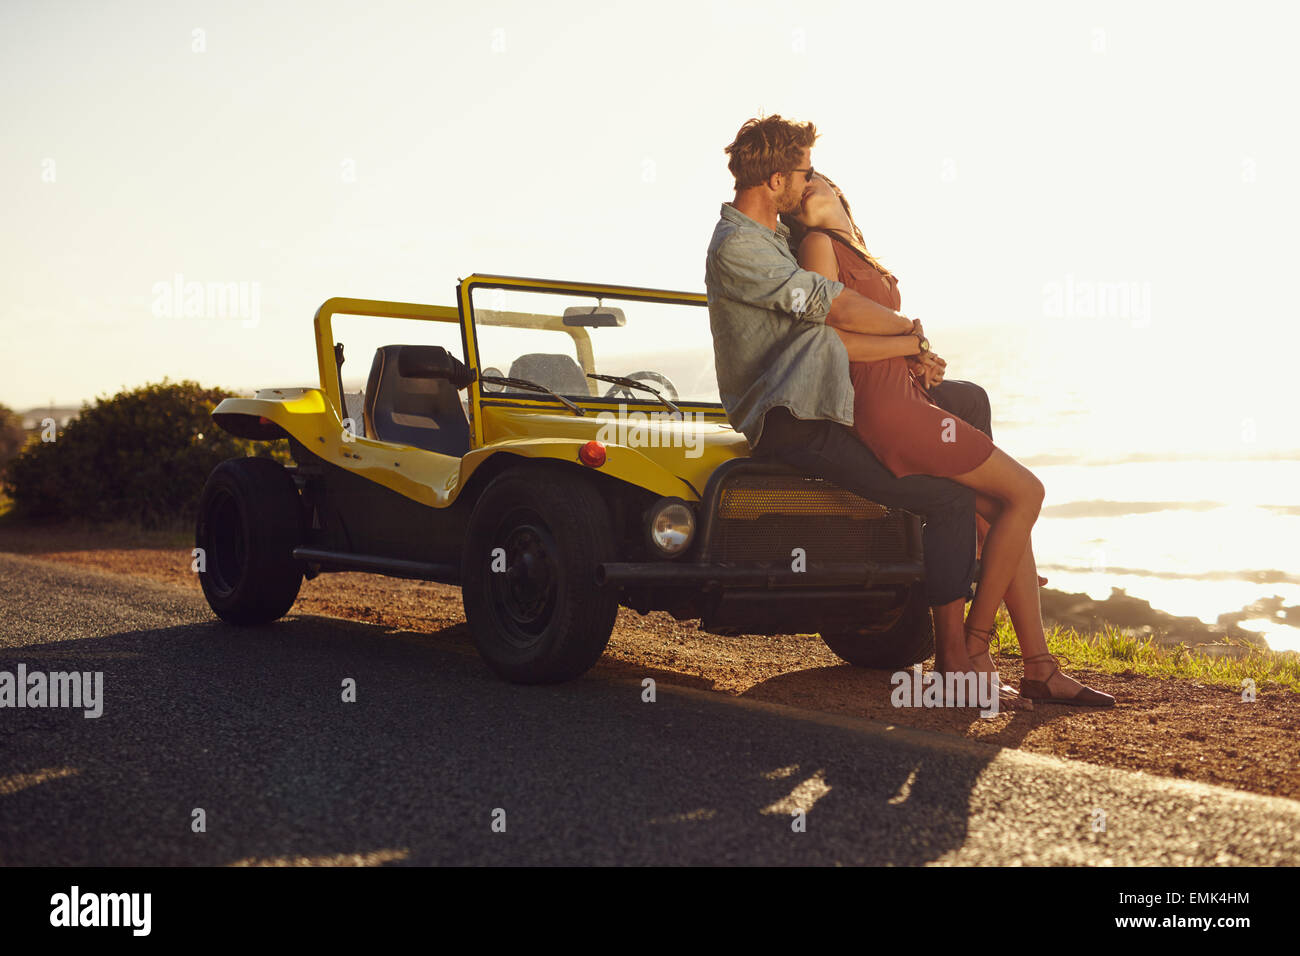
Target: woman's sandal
x=1037, y=690
x=984, y=637
x=1007, y=692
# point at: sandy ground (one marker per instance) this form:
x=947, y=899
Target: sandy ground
x=1174, y=728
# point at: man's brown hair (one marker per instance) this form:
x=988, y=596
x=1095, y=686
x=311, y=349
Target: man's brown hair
x=767, y=146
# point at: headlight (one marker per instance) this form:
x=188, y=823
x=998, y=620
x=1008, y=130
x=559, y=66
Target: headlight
x=672, y=526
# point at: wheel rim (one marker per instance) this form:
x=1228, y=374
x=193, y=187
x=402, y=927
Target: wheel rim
x=227, y=549
x=525, y=594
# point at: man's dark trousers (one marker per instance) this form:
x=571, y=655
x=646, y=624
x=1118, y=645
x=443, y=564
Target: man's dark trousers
x=830, y=450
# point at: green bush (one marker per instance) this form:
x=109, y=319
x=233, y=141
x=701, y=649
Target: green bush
x=12, y=434
x=140, y=456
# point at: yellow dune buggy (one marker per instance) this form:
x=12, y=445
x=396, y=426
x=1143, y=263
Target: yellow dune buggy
x=555, y=449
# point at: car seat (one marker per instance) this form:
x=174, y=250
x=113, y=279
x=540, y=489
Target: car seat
x=557, y=371
x=416, y=410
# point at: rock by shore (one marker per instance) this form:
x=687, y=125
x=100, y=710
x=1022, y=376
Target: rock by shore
x=1084, y=614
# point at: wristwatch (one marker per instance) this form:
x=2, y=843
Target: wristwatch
x=924, y=342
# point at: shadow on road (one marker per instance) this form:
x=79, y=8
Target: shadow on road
x=249, y=725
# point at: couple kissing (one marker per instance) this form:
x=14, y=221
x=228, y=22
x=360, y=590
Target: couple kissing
x=818, y=368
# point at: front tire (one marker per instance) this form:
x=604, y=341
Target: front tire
x=250, y=520
x=528, y=571
x=906, y=641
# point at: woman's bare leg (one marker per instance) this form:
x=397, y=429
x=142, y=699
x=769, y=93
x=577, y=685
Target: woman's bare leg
x=1020, y=496
x=1026, y=611
x=981, y=529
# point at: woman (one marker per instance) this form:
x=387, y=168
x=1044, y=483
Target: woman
x=910, y=434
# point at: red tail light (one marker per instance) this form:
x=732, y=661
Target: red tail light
x=592, y=454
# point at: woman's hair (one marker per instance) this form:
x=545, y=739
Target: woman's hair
x=798, y=230
x=767, y=146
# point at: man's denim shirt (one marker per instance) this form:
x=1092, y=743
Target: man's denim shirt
x=771, y=343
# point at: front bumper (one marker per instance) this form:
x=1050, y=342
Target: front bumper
x=760, y=520
x=712, y=576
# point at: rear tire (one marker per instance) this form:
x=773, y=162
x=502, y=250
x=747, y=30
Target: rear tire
x=533, y=607
x=250, y=520
x=909, y=640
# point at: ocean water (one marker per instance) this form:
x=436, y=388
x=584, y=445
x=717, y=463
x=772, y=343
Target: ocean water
x=1172, y=473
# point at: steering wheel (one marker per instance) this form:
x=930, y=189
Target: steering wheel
x=654, y=379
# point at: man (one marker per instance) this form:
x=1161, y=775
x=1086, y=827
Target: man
x=783, y=373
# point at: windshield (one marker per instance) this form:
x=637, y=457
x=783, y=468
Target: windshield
x=555, y=339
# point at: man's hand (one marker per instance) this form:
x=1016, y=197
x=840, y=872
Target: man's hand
x=934, y=368
x=928, y=368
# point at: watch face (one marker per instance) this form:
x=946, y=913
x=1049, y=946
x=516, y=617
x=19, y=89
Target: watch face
x=925, y=345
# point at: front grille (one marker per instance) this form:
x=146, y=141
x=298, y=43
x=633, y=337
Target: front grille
x=762, y=518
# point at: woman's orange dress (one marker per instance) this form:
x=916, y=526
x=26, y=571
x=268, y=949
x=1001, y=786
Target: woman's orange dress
x=892, y=414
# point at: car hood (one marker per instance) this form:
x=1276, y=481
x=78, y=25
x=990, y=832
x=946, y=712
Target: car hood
x=691, y=449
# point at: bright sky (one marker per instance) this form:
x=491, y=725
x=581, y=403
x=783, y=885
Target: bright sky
x=996, y=154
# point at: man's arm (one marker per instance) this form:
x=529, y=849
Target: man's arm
x=850, y=311
x=856, y=313
x=864, y=347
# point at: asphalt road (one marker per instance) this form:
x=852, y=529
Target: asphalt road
x=250, y=726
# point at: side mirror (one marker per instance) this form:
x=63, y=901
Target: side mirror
x=595, y=317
